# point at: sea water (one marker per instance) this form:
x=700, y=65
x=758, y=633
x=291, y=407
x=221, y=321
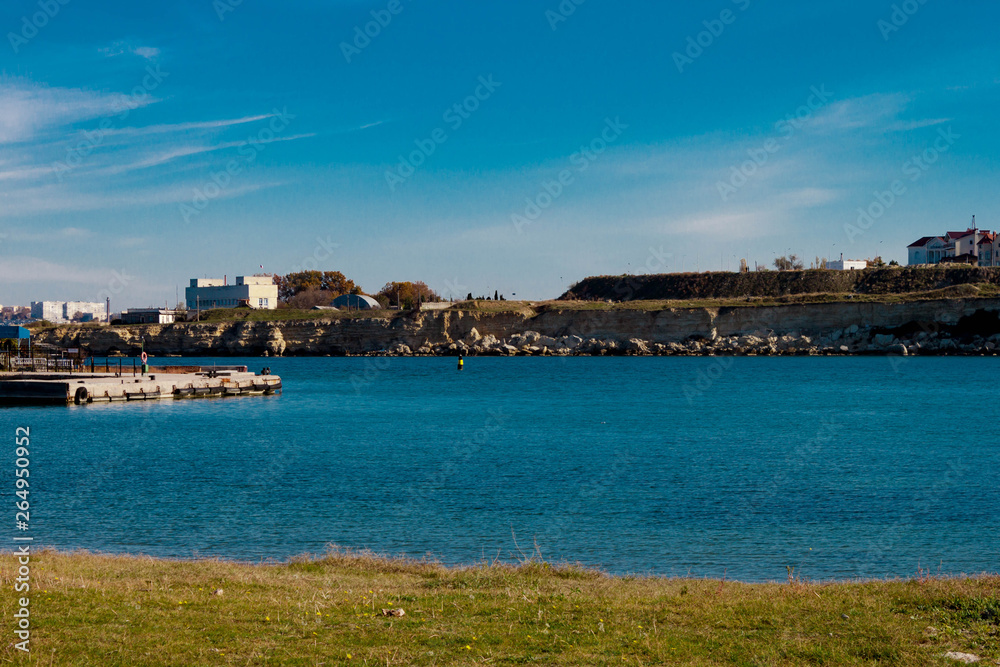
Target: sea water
x=749, y=468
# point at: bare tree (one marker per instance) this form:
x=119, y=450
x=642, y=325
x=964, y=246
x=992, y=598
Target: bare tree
x=789, y=263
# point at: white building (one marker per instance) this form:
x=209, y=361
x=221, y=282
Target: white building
x=60, y=312
x=53, y=311
x=91, y=310
x=253, y=291
x=846, y=264
x=148, y=316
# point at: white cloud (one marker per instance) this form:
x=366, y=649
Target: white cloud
x=147, y=52
x=187, y=151
x=120, y=48
x=28, y=108
x=35, y=270
x=186, y=127
x=860, y=112
x=56, y=198
x=66, y=233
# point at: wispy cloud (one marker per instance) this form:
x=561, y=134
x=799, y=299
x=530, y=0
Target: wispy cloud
x=65, y=234
x=880, y=112
x=35, y=270
x=122, y=48
x=27, y=108
x=187, y=151
x=25, y=173
x=57, y=198
x=860, y=112
x=185, y=127
x=907, y=125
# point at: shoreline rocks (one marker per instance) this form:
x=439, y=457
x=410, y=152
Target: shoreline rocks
x=849, y=342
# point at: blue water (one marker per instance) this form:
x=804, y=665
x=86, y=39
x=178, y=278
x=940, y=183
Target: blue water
x=838, y=467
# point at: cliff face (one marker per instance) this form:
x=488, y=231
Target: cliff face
x=443, y=328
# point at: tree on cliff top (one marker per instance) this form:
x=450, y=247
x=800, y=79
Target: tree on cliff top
x=406, y=294
x=789, y=263
x=309, y=298
x=334, y=282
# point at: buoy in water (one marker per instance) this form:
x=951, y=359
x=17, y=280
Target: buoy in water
x=461, y=363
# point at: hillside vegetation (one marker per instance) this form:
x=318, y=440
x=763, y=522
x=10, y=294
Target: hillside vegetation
x=690, y=286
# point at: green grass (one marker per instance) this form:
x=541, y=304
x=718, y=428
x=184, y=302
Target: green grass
x=91, y=609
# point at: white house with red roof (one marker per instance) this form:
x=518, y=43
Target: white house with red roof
x=973, y=246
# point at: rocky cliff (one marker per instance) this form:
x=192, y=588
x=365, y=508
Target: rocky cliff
x=932, y=326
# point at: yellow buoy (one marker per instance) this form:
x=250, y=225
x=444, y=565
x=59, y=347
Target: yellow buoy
x=461, y=363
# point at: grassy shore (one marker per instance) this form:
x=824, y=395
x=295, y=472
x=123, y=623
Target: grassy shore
x=91, y=609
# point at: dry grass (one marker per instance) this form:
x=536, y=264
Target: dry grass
x=954, y=292
x=288, y=314
x=524, y=308
x=89, y=609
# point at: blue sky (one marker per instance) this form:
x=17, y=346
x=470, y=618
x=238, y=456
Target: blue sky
x=143, y=144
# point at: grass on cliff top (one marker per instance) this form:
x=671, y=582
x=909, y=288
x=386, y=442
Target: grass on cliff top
x=287, y=314
x=954, y=292
x=530, y=309
x=525, y=308
x=89, y=609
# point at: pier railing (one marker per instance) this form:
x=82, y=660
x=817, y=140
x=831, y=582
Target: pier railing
x=42, y=365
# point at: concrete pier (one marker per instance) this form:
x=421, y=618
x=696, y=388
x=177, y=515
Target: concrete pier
x=160, y=383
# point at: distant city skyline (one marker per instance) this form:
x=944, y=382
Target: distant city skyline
x=515, y=146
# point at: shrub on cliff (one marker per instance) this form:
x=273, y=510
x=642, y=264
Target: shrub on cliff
x=406, y=294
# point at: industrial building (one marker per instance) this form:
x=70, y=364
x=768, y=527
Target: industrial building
x=846, y=264
x=254, y=291
x=148, y=316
